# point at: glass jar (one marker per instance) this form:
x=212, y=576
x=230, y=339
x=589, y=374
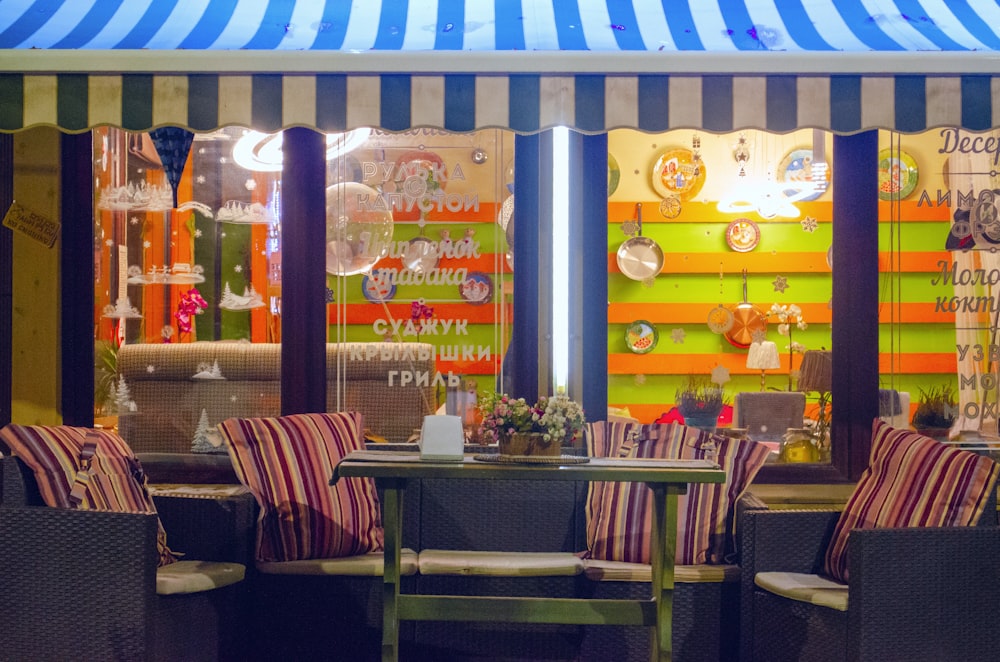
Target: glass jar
x=798, y=446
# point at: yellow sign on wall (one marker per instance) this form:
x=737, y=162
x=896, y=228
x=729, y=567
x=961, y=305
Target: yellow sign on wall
x=32, y=225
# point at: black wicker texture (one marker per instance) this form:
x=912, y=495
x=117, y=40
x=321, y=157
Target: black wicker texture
x=778, y=540
x=793, y=631
x=81, y=585
x=705, y=623
x=210, y=529
x=494, y=640
x=201, y=627
x=295, y=617
x=915, y=593
x=502, y=515
x=925, y=594
x=75, y=585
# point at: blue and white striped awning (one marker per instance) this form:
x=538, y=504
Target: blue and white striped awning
x=526, y=65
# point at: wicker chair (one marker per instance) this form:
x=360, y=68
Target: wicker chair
x=78, y=584
x=915, y=593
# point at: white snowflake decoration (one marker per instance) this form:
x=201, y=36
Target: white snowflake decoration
x=200, y=179
x=238, y=268
x=197, y=234
x=134, y=220
x=147, y=244
x=151, y=369
x=250, y=184
x=720, y=375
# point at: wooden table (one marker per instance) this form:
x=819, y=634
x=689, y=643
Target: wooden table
x=667, y=479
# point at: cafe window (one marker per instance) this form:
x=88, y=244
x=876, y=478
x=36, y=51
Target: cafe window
x=188, y=248
x=939, y=232
x=720, y=283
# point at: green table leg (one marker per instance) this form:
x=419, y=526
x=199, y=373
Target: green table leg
x=392, y=516
x=663, y=546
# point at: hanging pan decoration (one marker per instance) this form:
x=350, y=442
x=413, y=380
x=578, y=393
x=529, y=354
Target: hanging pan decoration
x=640, y=258
x=748, y=319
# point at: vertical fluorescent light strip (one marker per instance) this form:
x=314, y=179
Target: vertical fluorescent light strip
x=560, y=259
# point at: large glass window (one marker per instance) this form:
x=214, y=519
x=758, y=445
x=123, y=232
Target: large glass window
x=939, y=233
x=720, y=278
x=189, y=249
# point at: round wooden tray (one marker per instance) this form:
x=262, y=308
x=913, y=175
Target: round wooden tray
x=531, y=459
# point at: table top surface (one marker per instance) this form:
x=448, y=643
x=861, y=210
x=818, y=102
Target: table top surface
x=383, y=464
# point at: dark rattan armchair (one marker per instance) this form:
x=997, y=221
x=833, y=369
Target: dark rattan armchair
x=915, y=593
x=77, y=584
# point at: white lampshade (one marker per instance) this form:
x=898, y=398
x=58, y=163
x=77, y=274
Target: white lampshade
x=763, y=355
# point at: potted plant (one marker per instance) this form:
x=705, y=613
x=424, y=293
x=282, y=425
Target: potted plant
x=520, y=429
x=700, y=402
x=936, y=411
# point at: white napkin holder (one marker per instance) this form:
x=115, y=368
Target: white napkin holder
x=442, y=438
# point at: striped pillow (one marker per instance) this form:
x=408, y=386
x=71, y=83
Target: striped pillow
x=912, y=480
x=287, y=464
x=619, y=515
x=115, y=482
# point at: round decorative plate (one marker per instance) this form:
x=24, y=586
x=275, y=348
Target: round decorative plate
x=676, y=172
x=641, y=336
x=614, y=174
x=796, y=168
x=742, y=235
x=897, y=174
x=670, y=207
x=379, y=288
x=477, y=288
x=720, y=319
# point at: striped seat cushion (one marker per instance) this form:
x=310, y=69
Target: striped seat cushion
x=911, y=480
x=619, y=515
x=114, y=482
x=287, y=463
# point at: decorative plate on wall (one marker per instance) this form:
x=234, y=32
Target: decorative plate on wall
x=742, y=235
x=676, y=171
x=641, y=336
x=897, y=174
x=614, y=174
x=796, y=170
x=477, y=288
x=379, y=288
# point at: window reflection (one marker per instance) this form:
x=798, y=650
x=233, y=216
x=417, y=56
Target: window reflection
x=938, y=235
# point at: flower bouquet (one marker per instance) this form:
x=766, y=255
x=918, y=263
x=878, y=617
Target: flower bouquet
x=520, y=429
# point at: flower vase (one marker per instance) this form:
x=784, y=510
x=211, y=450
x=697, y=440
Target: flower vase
x=523, y=444
x=703, y=420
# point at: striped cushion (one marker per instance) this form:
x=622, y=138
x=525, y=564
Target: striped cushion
x=115, y=482
x=287, y=464
x=619, y=515
x=911, y=480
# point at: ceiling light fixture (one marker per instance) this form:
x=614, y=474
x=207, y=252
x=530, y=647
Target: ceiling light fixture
x=262, y=151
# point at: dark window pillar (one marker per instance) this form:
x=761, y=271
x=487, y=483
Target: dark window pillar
x=303, y=282
x=6, y=276
x=855, y=299
x=76, y=270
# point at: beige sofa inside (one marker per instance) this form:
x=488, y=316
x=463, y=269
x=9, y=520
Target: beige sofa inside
x=175, y=394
